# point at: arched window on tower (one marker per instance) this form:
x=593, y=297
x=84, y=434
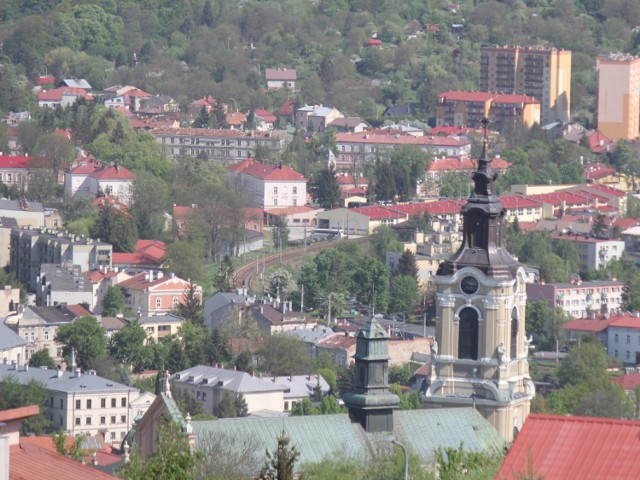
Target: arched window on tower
x=468, y=334
x=514, y=333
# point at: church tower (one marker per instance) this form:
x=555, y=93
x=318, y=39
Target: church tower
x=370, y=402
x=479, y=357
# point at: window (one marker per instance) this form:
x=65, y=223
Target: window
x=628, y=339
x=113, y=435
x=103, y=403
x=88, y=404
x=204, y=396
x=175, y=301
x=113, y=403
x=275, y=190
x=51, y=402
x=78, y=406
x=123, y=402
x=468, y=334
x=123, y=419
x=294, y=190
x=286, y=406
x=103, y=420
x=628, y=355
x=87, y=421
x=615, y=338
x=61, y=404
x=113, y=419
x=197, y=395
x=78, y=421
x=295, y=202
x=275, y=202
x=158, y=302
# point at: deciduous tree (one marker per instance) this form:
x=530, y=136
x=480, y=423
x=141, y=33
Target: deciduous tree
x=86, y=337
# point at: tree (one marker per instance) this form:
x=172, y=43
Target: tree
x=325, y=189
x=113, y=302
x=403, y=294
x=407, y=265
x=280, y=233
x=127, y=345
x=207, y=14
x=280, y=283
x=191, y=306
x=115, y=228
x=148, y=205
x=226, y=407
x=384, y=239
x=42, y=358
x=203, y=118
x=284, y=355
x=223, y=281
x=242, y=409
x=585, y=364
x=599, y=228
x=86, y=337
x=185, y=259
x=280, y=465
x=73, y=451
x=172, y=457
x=196, y=342
x=13, y=394
x=219, y=116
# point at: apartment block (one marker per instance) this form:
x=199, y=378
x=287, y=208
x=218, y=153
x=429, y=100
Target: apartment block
x=227, y=146
x=30, y=248
x=543, y=73
x=81, y=402
x=618, y=95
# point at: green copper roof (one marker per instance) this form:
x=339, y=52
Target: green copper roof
x=323, y=436
x=172, y=409
x=373, y=330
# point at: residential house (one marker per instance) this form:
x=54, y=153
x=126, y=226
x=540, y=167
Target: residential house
x=147, y=254
x=100, y=280
x=316, y=118
x=12, y=346
x=76, y=83
x=361, y=220
x=557, y=447
x=6, y=225
x=158, y=326
x=80, y=402
x=14, y=170
x=157, y=105
x=227, y=146
x=278, y=318
x=35, y=457
x=31, y=248
x=206, y=102
x=341, y=347
x=349, y=124
x=264, y=120
x=224, y=306
x=577, y=298
x=236, y=120
x=9, y=300
x=126, y=97
x=62, y=97
x=208, y=385
x=93, y=177
x=623, y=339
x=152, y=292
x=286, y=111
x=595, y=253
x=631, y=239
x=63, y=284
x=29, y=214
x=356, y=149
x=279, y=78
x=268, y=185
x=593, y=324
x=38, y=326
x=299, y=387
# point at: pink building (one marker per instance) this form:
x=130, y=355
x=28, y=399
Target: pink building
x=150, y=293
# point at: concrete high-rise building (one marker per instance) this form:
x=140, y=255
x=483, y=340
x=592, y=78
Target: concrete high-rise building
x=543, y=73
x=618, y=91
x=481, y=359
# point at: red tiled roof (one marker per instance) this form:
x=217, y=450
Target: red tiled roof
x=440, y=207
x=147, y=252
x=292, y=210
x=464, y=96
x=607, y=189
x=29, y=461
x=280, y=74
x=374, y=42
x=94, y=276
x=266, y=116
x=557, y=198
x=379, y=212
x=286, y=108
x=338, y=341
x=19, y=413
x=628, y=381
x=78, y=310
x=138, y=282
x=626, y=321
x=561, y=448
x=264, y=171
x=113, y=172
x=46, y=80
x=236, y=118
x=346, y=178
x=447, y=130
x=56, y=94
x=519, y=201
x=393, y=138
x=211, y=132
x=596, y=171
x=8, y=161
x=625, y=223
x=595, y=325
x=513, y=98
x=600, y=143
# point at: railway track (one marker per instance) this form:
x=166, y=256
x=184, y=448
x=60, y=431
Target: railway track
x=248, y=273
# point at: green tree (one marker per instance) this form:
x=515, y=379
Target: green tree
x=325, y=189
x=242, y=409
x=149, y=200
x=115, y=228
x=73, y=451
x=172, y=457
x=407, y=265
x=584, y=364
x=280, y=233
x=599, y=228
x=403, y=294
x=86, y=337
x=42, y=358
x=127, y=345
x=191, y=306
x=219, y=116
x=384, y=239
x=226, y=407
x=113, y=302
x=196, y=341
x=284, y=355
x=203, y=119
x=13, y=394
x=185, y=259
x=280, y=465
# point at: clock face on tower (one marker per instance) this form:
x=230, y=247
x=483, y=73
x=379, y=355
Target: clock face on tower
x=469, y=285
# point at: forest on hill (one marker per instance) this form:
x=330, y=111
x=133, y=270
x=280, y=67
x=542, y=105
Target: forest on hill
x=191, y=48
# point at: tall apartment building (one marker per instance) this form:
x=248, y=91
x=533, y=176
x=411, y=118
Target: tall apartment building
x=30, y=248
x=543, y=73
x=618, y=92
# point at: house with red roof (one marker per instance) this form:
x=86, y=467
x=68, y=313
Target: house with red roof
x=463, y=108
x=127, y=97
x=153, y=293
x=206, y=102
x=556, y=447
x=361, y=220
x=89, y=176
x=264, y=120
x=629, y=381
x=286, y=110
x=443, y=166
x=148, y=254
x=349, y=124
x=279, y=78
x=269, y=186
x=13, y=170
x=623, y=338
x=62, y=96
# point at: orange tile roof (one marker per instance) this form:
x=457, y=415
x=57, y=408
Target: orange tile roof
x=265, y=171
x=147, y=252
x=9, y=161
x=19, y=413
x=464, y=96
x=56, y=94
x=265, y=115
x=29, y=461
x=561, y=448
x=627, y=381
x=596, y=171
x=398, y=139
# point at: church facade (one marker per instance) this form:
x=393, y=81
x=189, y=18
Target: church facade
x=479, y=357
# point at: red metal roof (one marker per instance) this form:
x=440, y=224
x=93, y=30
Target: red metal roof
x=608, y=190
x=464, y=96
x=512, y=98
x=147, y=252
x=595, y=325
x=519, y=201
x=265, y=171
x=596, y=171
x=626, y=321
x=561, y=448
x=395, y=138
x=379, y=212
x=286, y=108
x=8, y=161
x=374, y=42
x=56, y=94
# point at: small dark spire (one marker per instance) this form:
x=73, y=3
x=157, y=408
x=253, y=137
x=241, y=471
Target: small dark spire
x=484, y=175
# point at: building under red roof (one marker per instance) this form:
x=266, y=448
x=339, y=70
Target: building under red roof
x=379, y=212
x=265, y=171
x=561, y=448
x=374, y=42
x=596, y=171
x=287, y=108
x=465, y=96
x=464, y=164
x=148, y=253
x=519, y=201
x=56, y=94
x=8, y=161
x=265, y=115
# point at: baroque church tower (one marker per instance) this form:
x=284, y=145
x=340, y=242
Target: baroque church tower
x=479, y=357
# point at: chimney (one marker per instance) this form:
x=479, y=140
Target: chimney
x=59, y=373
x=5, y=447
x=78, y=372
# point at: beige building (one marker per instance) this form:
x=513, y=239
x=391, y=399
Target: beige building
x=543, y=73
x=81, y=402
x=159, y=326
x=618, y=77
x=12, y=346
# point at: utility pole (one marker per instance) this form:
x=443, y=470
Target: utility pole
x=305, y=238
x=329, y=312
x=424, y=316
x=302, y=298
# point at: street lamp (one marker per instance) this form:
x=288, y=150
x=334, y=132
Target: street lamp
x=392, y=439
